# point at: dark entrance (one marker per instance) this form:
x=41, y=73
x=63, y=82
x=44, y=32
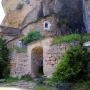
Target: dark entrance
x=37, y=61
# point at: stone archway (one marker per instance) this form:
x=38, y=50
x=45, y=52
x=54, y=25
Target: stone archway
x=37, y=61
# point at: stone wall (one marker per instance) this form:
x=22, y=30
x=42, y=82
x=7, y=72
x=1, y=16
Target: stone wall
x=38, y=52
x=51, y=55
x=19, y=62
x=45, y=45
x=39, y=26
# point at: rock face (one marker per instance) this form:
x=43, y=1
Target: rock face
x=70, y=11
x=48, y=7
x=25, y=11
x=16, y=11
x=86, y=6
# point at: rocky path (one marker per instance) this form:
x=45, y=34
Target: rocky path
x=20, y=85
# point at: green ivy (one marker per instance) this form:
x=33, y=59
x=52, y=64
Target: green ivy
x=32, y=36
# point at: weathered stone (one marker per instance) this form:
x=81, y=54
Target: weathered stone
x=51, y=55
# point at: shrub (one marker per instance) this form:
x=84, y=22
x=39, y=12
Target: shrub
x=4, y=60
x=71, y=66
x=81, y=85
x=32, y=36
x=86, y=37
x=71, y=38
x=66, y=38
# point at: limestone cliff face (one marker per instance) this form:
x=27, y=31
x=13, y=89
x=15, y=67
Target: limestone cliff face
x=21, y=12
x=55, y=6
x=72, y=10
x=86, y=6
x=42, y=8
x=15, y=11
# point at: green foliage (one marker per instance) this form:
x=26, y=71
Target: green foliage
x=16, y=79
x=87, y=85
x=66, y=38
x=71, y=38
x=86, y=37
x=11, y=79
x=81, y=85
x=4, y=60
x=26, y=78
x=32, y=36
x=71, y=67
x=43, y=87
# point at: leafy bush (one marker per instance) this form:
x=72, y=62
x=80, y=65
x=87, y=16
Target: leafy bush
x=81, y=85
x=72, y=65
x=71, y=38
x=32, y=36
x=66, y=38
x=4, y=60
x=86, y=37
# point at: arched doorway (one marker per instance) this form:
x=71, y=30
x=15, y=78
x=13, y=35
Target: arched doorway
x=37, y=61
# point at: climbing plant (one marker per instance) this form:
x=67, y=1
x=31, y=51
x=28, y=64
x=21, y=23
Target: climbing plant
x=4, y=59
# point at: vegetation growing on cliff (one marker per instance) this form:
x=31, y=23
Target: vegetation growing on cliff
x=66, y=38
x=71, y=38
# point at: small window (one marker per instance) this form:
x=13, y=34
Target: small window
x=47, y=25
x=20, y=44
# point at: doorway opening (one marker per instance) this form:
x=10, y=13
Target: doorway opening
x=37, y=61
